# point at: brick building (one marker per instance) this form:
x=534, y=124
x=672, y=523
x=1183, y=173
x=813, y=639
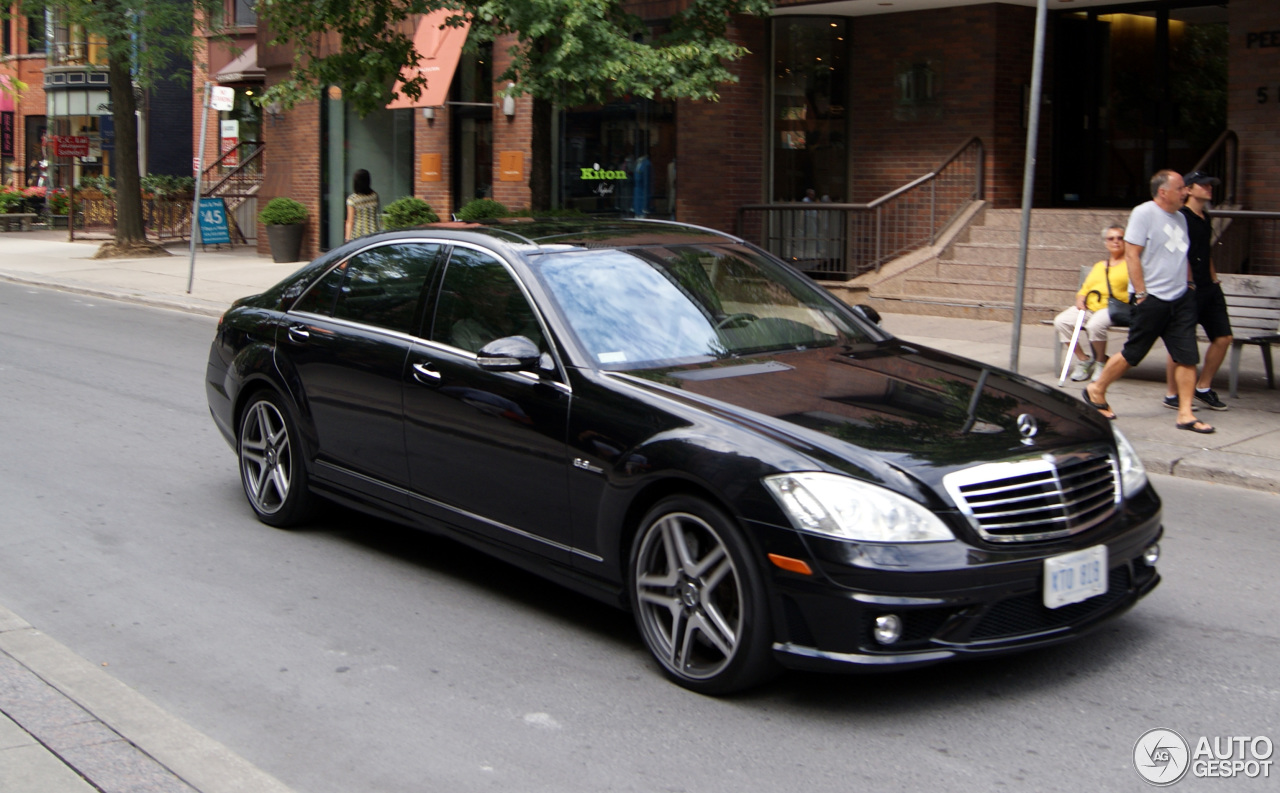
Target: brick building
x=842, y=100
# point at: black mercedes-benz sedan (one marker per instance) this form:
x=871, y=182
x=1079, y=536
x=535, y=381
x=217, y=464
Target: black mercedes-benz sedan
x=676, y=422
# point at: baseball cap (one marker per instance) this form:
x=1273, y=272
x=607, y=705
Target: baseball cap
x=1200, y=177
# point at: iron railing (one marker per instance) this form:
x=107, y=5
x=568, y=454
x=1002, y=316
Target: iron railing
x=842, y=241
x=1246, y=242
x=236, y=177
x=1221, y=160
x=163, y=217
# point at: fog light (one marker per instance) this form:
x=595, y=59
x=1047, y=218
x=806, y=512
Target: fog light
x=1151, y=555
x=888, y=628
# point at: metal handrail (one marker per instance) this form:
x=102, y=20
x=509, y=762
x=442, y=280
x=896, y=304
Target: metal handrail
x=1226, y=147
x=846, y=239
x=248, y=164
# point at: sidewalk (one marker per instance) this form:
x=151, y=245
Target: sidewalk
x=1245, y=451
x=67, y=726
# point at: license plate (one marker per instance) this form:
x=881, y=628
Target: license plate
x=1073, y=577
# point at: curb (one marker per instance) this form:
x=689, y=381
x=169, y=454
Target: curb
x=128, y=736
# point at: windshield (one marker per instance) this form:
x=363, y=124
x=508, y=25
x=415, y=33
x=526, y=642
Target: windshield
x=661, y=306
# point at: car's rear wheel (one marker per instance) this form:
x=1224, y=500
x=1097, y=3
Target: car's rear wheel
x=271, y=467
x=698, y=598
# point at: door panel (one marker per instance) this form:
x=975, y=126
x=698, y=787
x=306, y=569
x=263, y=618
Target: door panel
x=345, y=343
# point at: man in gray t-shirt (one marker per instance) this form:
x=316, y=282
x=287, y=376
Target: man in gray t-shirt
x=1163, y=306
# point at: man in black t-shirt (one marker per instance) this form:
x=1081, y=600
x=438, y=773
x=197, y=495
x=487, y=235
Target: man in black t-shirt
x=1211, y=306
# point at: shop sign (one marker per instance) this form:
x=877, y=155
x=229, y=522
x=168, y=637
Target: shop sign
x=230, y=134
x=595, y=174
x=430, y=167
x=107, y=132
x=213, y=222
x=6, y=133
x=70, y=146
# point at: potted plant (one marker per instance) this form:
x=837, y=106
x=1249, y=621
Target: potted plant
x=482, y=209
x=408, y=212
x=285, y=220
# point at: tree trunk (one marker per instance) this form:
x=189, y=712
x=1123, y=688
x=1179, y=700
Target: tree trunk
x=129, y=229
x=540, y=149
x=131, y=236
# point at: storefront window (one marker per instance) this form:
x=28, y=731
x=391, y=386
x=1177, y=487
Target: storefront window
x=471, y=133
x=619, y=159
x=380, y=143
x=810, y=99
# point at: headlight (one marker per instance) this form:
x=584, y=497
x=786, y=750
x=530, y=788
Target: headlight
x=1133, y=475
x=846, y=509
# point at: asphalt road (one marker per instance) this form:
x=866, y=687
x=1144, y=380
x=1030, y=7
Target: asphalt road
x=358, y=655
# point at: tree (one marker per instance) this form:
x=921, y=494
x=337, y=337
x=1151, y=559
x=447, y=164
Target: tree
x=567, y=52
x=143, y=39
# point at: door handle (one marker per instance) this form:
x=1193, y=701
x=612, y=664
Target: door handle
x=426, y=374
x=299, y=333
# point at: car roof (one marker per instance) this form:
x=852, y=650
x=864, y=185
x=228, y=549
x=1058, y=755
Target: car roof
x=544, y=235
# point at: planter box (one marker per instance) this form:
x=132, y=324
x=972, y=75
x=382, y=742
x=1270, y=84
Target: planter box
x=286, y=242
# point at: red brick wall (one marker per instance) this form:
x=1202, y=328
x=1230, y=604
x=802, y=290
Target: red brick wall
x=432, y=137
x=983, y=57
x=720, y=146
x=31, y=102
x=292, y=165
x=510, y=134
x=1256, y=123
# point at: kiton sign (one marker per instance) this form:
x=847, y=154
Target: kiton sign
x=595, y=174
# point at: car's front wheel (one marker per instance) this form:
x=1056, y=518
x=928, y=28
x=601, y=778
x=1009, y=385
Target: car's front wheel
x=271, y=467
x=698, y=598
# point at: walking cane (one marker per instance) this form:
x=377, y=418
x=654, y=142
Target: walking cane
x=1075, y=335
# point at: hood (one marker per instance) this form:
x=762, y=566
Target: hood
x=912, y=406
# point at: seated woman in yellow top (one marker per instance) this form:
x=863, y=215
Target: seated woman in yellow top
x=1092, y=300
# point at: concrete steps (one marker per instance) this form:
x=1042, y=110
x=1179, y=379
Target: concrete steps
x=975, y=277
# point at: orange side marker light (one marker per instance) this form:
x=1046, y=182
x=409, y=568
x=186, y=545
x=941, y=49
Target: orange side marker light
x=791, y=565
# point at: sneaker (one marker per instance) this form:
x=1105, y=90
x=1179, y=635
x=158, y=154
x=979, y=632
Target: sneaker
x=1171, y=402
x=1080, y=370
x=1210, y=400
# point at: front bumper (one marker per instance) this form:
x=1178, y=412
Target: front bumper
x=982, y=603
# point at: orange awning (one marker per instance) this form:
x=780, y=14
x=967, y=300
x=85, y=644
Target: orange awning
x=440, y=47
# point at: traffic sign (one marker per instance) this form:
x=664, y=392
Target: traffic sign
x=70, y=146
x=222, y=98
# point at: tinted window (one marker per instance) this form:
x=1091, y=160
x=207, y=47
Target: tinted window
x=320, y=298
x=380, y=286
x=645, y=307
x=479, y=302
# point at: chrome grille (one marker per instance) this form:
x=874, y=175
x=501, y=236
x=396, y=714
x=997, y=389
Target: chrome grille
x=1037, y=499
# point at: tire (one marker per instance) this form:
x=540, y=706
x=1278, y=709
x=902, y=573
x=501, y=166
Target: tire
x=272, y=470
x=698, y=598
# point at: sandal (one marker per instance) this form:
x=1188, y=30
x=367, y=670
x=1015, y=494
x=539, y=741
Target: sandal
x=1101, y=406
x=1203, y=429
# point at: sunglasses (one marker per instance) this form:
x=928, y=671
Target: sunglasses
x=1113, y=239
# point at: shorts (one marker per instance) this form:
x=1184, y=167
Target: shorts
x=1211, y=311
x=1174, y=321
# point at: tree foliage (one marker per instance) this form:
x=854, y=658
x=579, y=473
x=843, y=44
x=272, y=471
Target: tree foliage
x=568, y=51
x=143, y=40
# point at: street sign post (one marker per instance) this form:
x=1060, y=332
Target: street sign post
x=219, y=98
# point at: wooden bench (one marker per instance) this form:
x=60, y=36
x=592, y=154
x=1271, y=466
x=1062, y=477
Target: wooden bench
x=1253, y=303
x=22, y=220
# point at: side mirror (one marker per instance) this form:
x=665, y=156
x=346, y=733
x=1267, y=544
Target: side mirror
x=868, y=313
x=509, y=354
